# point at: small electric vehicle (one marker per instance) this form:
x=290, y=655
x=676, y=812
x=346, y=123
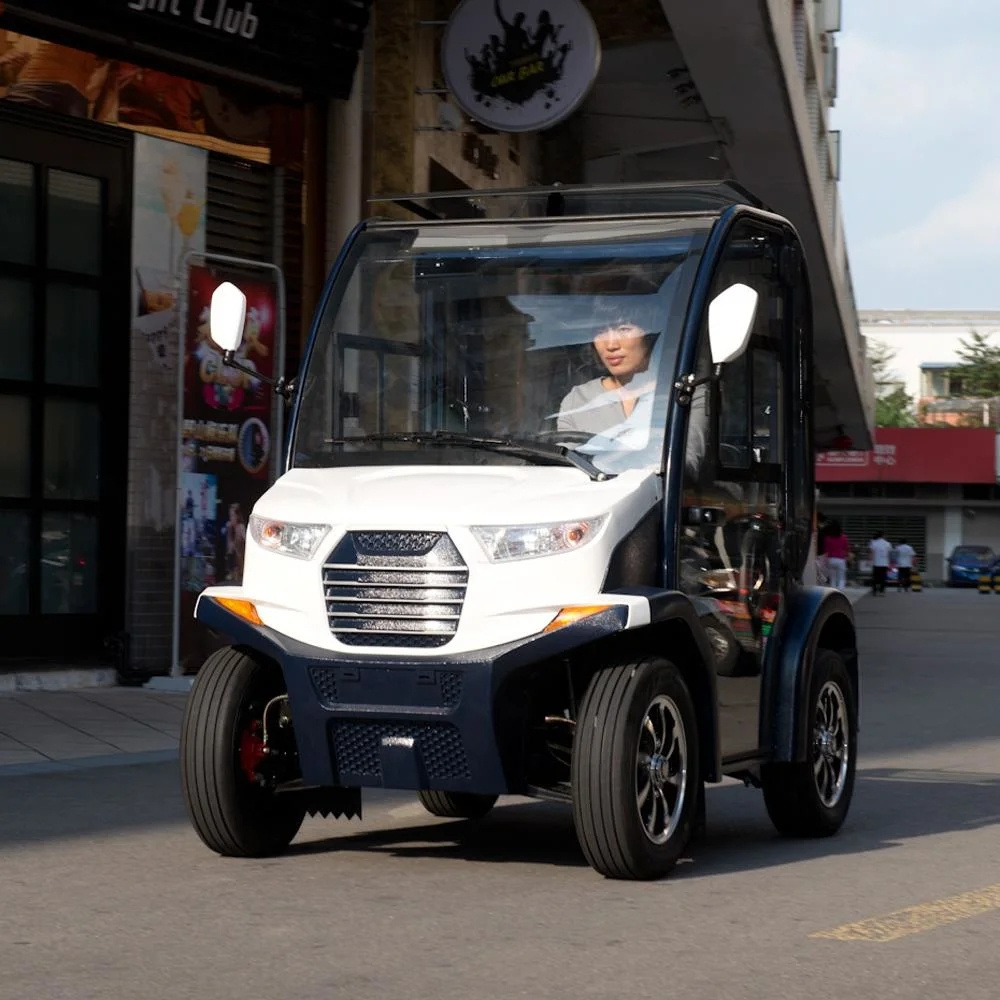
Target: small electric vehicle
x=544, y=529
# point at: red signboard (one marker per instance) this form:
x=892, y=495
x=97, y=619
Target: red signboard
x=915, y=455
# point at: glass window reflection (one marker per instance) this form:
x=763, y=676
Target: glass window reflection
x=75, y=222
x=13, y=562
x=69, y=564
x=17, y=210
x=72, y=449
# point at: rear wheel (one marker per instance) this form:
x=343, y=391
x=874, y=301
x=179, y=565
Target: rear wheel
x=457, y=805
x=221, y=747
x=811, y=798
x=635, y=770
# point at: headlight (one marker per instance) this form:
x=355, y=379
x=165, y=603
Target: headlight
x=526, y=541
x=298, y=540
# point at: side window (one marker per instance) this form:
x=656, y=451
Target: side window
x=731, y=505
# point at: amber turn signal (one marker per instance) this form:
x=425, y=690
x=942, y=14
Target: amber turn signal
x=242, y=609
x=574, y=614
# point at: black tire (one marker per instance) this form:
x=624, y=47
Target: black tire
x=233, y=816
x=802, y=798
x=608, y=775
x=457, y=805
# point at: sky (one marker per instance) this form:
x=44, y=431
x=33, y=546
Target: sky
x=919, y=112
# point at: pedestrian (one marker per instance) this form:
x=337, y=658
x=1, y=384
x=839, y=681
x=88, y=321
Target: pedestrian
x=880, y=550
x=837, y=548
x=822, y=530
x=906, y=556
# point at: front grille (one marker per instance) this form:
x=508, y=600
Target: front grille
x=394, y=588
x=356, y=747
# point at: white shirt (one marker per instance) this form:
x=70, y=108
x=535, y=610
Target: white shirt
x=880, y=550
x=904, y=556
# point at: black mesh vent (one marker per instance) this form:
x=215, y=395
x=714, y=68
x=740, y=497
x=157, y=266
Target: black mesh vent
x=394, y=588
x=356, y=747
x=324, y=679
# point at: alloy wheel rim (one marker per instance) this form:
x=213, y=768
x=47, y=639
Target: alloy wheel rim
x=830, y=750
x=661, y=769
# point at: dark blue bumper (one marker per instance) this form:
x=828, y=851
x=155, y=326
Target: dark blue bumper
x=446, y=723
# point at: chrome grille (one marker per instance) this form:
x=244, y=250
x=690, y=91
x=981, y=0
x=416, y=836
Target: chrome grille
x=394, y=588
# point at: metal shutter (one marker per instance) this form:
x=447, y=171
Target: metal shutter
x=860, y=527
x=239, y=219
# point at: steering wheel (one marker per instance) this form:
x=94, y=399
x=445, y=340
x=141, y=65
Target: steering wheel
x=579, y=437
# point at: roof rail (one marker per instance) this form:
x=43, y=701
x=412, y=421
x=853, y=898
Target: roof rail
x=575, y=199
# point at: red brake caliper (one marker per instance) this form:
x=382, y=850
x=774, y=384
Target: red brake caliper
x=252, y=751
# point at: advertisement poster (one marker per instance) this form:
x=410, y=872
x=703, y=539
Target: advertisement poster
x=170, y=184
x=228, y=445
x=40, y=74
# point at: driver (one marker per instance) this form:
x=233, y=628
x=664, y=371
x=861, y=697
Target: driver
x=594, y=407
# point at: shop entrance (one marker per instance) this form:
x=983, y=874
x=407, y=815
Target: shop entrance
x=64, y=345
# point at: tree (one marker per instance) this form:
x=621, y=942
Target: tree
x=894, y=409
x=978, y=375
x=893, y=404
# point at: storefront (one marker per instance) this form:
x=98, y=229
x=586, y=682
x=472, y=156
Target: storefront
x=937, y=488
x=138, y=140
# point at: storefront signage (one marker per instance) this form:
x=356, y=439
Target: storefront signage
x=216, y=15
x=520, y=65
x=305, y=48
x=915, y=455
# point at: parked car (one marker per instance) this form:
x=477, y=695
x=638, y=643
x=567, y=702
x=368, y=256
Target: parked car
x=967, y=562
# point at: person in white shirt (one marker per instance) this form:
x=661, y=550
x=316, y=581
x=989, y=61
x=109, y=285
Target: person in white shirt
x=906, y=556
x=880, y=551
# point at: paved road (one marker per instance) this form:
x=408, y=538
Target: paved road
x=106, y=892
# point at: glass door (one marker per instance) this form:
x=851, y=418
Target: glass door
x=63, y=393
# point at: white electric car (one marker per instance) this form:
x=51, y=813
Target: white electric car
x=542, y=530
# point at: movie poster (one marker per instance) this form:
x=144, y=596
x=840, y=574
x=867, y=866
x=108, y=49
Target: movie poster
x=228, y=445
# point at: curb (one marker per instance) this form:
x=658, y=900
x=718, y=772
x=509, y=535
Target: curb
x=87, y=763
x=57, y=680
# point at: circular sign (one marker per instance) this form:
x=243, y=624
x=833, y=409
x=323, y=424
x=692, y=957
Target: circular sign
x=520, y=65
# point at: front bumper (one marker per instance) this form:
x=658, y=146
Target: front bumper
x=445, y=723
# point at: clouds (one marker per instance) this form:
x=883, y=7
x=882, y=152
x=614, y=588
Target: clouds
x=921, y=158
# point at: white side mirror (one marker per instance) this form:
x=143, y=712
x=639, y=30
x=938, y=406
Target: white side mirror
x=227, y=316
x=730, y=319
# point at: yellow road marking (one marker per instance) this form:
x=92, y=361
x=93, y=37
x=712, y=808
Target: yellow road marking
x=917, y=919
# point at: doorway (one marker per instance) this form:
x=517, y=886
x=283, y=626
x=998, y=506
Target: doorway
x=64, y=367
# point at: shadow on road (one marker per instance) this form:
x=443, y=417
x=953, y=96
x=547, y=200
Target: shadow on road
x=889, y=807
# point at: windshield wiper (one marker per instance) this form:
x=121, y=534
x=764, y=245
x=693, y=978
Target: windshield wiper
x=505, y=446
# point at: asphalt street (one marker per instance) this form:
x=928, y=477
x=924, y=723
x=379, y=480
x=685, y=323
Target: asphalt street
x=106, y=891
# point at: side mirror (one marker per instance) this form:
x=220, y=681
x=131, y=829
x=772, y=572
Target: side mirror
x=730, y=319
x=227, y=316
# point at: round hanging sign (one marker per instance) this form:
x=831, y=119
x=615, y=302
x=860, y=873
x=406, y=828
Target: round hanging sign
x=520, y=65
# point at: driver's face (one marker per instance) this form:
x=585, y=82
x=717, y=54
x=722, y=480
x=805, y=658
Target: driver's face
x=622, y=349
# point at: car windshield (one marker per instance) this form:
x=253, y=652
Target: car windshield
x=446, y=343
x=981, y=553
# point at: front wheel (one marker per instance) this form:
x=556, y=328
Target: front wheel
x=810, y=798
x=457, y=805
x=220, y=749
x=635, y=774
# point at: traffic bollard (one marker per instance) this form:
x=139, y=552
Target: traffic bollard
x=916, y=582
x=985, y=583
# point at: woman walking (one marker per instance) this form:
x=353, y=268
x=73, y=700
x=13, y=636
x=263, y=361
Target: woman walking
x=837, y=548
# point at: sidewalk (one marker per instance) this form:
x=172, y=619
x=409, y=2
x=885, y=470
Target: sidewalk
x=92, y=727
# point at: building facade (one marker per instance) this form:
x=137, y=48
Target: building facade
x=142, y=140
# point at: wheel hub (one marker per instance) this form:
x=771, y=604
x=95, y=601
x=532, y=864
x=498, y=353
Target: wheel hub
x=659, y=770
